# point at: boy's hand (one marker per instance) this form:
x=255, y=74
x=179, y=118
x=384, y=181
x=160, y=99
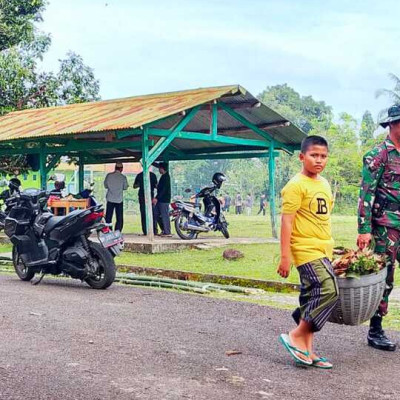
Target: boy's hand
x=363, y=240
x=284, y=268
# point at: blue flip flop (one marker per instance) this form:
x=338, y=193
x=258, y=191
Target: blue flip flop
x=285, y=340
x=316, y=361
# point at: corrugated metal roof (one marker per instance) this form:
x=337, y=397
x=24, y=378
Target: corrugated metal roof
x=109, y=115
x=94, y=121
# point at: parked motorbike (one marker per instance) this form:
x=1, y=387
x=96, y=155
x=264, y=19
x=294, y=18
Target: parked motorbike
x=190, y=221
x=13, y=187
x=48, y=244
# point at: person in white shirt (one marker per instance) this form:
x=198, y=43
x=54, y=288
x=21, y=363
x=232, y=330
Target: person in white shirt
x=116, y=183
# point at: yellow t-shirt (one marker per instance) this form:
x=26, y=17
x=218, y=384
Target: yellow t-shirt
x=312, y=202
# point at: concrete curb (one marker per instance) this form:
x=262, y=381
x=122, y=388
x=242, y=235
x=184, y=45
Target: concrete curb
x=221, y=279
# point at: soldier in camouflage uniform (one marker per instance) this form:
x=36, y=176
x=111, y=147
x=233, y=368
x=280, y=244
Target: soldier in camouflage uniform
x=379, y=214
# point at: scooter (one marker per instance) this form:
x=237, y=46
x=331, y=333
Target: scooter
x=47, y=244
x=190, y=221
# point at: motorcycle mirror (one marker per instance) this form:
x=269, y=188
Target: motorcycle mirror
x=188, y=190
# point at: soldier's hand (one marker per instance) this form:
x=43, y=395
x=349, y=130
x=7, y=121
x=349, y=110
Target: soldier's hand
x=363, y=240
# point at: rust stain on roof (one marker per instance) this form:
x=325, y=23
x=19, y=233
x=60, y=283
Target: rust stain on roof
x=126, y=113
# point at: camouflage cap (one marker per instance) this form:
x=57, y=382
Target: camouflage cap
x=393, y=115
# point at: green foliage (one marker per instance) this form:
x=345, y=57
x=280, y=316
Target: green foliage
x=304, y=111
x=22, y=83
x=345, y=158
x=367, y=130
x=17, y=19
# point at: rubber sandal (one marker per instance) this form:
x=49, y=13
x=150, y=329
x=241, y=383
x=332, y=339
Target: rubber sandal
x=316, y=362
x=285, y=340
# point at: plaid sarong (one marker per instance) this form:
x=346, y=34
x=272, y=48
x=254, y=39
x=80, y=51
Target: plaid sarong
x=318, y=293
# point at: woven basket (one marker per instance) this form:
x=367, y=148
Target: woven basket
x=358, y=298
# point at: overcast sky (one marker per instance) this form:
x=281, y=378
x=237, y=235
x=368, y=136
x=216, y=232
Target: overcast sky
x=337, y=51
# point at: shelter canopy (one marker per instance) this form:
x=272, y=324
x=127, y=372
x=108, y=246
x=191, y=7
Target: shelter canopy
x=201, y=123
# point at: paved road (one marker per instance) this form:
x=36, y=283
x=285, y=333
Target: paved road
x=62, y=340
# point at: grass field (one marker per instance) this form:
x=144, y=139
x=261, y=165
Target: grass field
x=259, y=262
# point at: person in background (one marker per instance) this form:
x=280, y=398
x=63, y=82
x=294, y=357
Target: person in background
x=162, y=200
x=249, y=204
x=227, y=204
x=13, y=186
x=116, y=183
x=238, y=204
x=138, y=183
x=262, y=205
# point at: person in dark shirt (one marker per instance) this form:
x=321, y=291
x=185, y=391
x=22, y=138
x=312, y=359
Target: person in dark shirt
x=162, y=200
x=139, y=184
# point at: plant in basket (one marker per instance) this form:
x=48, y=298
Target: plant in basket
x=358, y=298
x=356, y=263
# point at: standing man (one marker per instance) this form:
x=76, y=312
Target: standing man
x=249, y=204
x=116, y=183
x=238, y=204
x=142, y=204
x=262, y=205
x=162, y=200
x=227, y=204
x=379, y=214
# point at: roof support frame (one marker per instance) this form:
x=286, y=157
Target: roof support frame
x=163, y=143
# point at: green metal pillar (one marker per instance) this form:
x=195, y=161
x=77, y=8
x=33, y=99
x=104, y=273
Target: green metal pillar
x=271, y=174
x=43, y=170
x=146, y=184
x=81, y=172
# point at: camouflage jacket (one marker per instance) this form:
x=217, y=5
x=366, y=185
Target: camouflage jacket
x=380, y=176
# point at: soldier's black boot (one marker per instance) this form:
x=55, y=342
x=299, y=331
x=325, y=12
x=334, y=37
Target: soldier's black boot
x=377, y=337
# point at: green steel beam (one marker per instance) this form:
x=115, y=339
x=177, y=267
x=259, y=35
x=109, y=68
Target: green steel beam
x=253, y=127
x=42, y=168
x=271, y=174
x=220, y=156
x=129, y=133
x=207, y=138
x=245, y=122
x=75, y=146
x=164, y=142
x=52, y=163
x=146, y=185
x=81, y=172
x=214, y=121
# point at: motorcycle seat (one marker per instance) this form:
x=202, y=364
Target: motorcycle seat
x=53, y=222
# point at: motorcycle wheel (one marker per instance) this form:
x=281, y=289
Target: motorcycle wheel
x=105, y=273
x=24, y=273
x=224, y=230
x=185, y=235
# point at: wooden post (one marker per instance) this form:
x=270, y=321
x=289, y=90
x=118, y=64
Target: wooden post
x=146, y=185
x=271, y=181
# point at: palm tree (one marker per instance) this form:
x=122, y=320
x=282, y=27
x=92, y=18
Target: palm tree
x=392, y=94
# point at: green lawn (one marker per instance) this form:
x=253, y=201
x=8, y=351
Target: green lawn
x=259, y=262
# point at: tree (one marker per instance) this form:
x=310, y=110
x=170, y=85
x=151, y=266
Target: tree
x=344, y=166
x=17, y=18
x=367, y=128
x=303, y=111
x=22, y=83
x=392, y=94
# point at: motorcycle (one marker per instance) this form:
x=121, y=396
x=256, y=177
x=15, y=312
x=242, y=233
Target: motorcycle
x=13, y=187
x=48, y=244
x=189, y=221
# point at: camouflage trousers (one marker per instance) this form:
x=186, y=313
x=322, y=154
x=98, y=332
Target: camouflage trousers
x=387, y=241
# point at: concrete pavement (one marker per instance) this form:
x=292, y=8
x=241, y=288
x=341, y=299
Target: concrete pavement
x=63, y=340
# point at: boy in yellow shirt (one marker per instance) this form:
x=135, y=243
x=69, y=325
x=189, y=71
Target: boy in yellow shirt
x=306, y=240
